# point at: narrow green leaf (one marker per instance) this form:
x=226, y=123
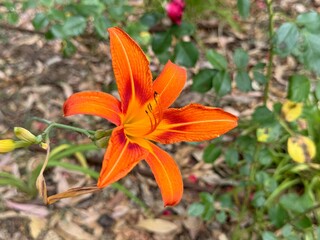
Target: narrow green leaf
x=217, y=60
x=186, y=54
x=317, y=91
x=243, y=8
x=299, y=88
x=202, y=81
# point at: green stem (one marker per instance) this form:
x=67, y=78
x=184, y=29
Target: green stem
x=88, y=133
x=271, y=52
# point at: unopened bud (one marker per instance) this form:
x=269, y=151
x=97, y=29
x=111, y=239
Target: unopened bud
x=102, y=142
x=7, y=145
x=24, y=135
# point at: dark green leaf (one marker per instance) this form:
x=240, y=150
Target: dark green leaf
x=278, y=215
x=206, y=198
x=243, y=81
x=47, y=3
x=150, y=19
x=85, y=9
x=217, y=60
x=299, y=88
x=309, y=20
x=164, y=57
x=161, y=42
x=231, y=157
x=185, y=29
x=208, y=213
x=286, y=39
x=101, y=23
x=196, y=209
x=241, y=58
x=56, y=31
x=303, y=223
x=263, y=116
x=202, y=81
x=29, y=4
x=211, y=153
x=68, y=48
x=295, y=203
x=243, y=8
x=186, y=54
x=57, y=15
x=40, y=21
x=74, y=26
x=222, y=83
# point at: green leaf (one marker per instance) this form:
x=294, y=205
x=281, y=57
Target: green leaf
x=286, y=39
x=184, y=29
x=196, y=209
x=161, y=42
x=12, y=17
x=74, y=26
x=101, y=23
x=211, y=153
x=40, y=21
x=241, y=58
x=221, y=217
x=150, y=19
x=57, y=15
x=299, y=88
x=186, y=54
x=217, y=60
x=243, y=8
x=303, y=223
x=47, y=3
x=56, y=31
x=231, y=157
x=258, y=73
x=308, y=52
x=68, y=48
x=317, y=91
x=243, y=81
x=86, y=9
x=268, y=236
x=164, y=57
x=265, y=157
x=263, y=116
x=202, y=81
x=309, y=20
x=206, y=198
x=222, y=83
x=258, y=199
x=278, y=215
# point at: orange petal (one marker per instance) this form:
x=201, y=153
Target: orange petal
x=167, y=175
x=94, y=103
x=194, y=122
x=121, y=156
x=131, y=70
x=170, y=83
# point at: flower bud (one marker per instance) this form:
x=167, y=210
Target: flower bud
x=7, y=145
x=24, y=135
x=102, y=142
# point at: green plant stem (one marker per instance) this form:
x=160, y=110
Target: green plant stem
x=88, y=133
x=271, y=52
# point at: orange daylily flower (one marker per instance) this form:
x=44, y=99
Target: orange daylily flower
x=143, y=116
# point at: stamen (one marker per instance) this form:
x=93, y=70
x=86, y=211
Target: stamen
x=155, y=112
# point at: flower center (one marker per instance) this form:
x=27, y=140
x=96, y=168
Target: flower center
x=145, y=119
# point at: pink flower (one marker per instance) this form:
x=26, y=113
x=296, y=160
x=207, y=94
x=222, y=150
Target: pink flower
x=175, y=11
